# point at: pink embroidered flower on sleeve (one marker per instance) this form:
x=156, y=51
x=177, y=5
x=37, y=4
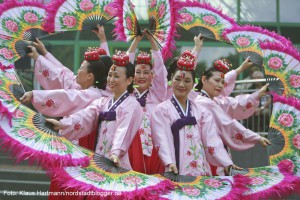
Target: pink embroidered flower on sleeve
x=77, y=126
x=238, y=137
x=45, y=73
x=211, y=150
x=49, y=103
x=248, y=106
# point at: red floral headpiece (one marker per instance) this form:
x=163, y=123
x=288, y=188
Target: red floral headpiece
x=222, y=65
x=93, y=53
x=143, y=58
x=186, y=61
x=101, y=51
x=120, y=58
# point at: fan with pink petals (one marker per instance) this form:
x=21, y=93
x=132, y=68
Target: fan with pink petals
x=72, y=15
x=246, y=40
x=203, y=18
x=21, y=23
x=163, y=17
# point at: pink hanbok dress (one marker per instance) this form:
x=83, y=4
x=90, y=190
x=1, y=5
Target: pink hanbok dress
x=149, y=162
x=226, y=111
x=117, y=121
x=62, y=95
x=52, y=74
x=187, y=138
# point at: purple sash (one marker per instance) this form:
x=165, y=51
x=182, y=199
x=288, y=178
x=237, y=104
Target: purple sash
x=142, y=99
x=178, y=124
x=110, y=115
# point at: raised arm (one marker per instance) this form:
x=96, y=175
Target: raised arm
x=231, y=76
x=160, y=82
x=241, y=106
x=49, y=75
x=198, y=45
x=133, y=47
x=41, y=47
x=102, y=37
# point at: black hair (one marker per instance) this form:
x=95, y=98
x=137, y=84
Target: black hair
x=173, y=69
x=208, y=72
x=130, y=70
x=100, y=69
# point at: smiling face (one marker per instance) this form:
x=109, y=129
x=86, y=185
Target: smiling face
x=117, y=80
x=182, y=84
x=143, y=77
x=214, y=84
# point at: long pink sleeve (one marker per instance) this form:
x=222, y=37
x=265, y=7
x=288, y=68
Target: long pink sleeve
x=162, y=134
x=59, y=103
x=215, y=152
x=230, y=78
x=52, y=77
x=51, y=58
x=104, y=46
x=82, y=122
x=160, y=81
x=233, y=134
x=128, y=120
x=241, y=106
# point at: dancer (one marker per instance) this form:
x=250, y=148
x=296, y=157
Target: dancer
x=119, y=116
x=185, y=132
x=51, y=73
x=91, y=79
x=225, y=110
x=151, y=82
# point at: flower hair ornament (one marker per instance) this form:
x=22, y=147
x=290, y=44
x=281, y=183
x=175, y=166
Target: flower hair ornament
x=94, y=53
x=120, y=59
x=143, y=58
x=223, y=66
x=186, y=62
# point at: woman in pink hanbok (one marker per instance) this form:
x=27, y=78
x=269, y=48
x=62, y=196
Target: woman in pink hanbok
x=91, y=78
x=63, y=95
x=51, y=73
x=118, y=117
x=151, y=88
x=183, y=131
x=227, y=110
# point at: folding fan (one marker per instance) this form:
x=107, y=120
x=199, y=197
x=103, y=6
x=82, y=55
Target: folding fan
x=207, y=187
x=246, y=40
x=29, y=136
x=203, y=18
x=283, y=62
x=163, y=17
x=127, y=26
x=270, y=181
x=284, y=130
x=21, y=23
x=118, y=183
x=71, y=15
